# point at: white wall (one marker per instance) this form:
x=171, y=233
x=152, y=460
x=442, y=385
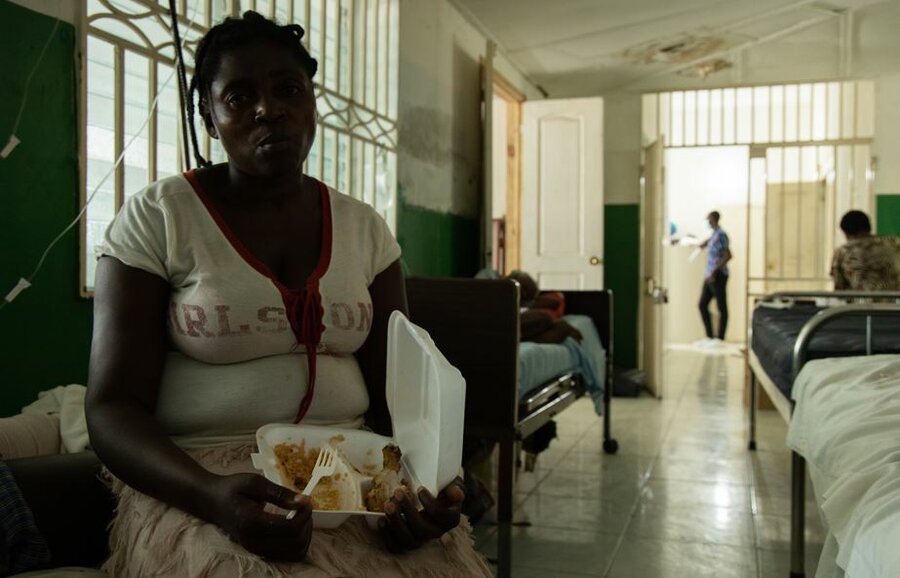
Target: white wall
x=439, y=156
x=622, y=148
x=887, y=134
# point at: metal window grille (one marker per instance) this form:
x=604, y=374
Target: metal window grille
x=129, y=54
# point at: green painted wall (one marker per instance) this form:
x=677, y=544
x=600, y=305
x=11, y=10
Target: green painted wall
x=888, y=210
x=446, y=245
x=622, y=258
x=45, y=332
x=437, y=244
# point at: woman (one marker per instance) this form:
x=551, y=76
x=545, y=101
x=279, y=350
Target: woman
x=242, y=294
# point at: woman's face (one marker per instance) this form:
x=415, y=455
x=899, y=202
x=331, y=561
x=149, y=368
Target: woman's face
x=262, y=107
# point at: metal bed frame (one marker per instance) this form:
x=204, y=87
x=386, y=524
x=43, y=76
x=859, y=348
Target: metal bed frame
x=786, y=406
x=475, y=324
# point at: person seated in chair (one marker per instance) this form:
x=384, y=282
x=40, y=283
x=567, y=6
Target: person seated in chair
x=866, y=262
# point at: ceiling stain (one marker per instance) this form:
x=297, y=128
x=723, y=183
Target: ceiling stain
x=706, y=68
x=681, y=49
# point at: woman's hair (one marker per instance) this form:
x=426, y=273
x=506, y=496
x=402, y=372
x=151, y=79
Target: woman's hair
x=233, y=33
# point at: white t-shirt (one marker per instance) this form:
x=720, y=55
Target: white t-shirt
x=237, y=363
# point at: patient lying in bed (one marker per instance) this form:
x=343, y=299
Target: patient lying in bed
x=553, y=343
x=541, y=314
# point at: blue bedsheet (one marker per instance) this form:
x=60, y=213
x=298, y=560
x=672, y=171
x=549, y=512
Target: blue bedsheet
x=539, y=363
x=775, y=332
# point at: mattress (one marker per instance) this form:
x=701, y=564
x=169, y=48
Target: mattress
x=775, y=332
x=539, y=363
x=845, y=425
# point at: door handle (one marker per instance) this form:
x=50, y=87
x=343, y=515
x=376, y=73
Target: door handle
x=595, y=261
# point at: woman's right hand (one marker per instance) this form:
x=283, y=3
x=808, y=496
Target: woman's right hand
x=238, y=501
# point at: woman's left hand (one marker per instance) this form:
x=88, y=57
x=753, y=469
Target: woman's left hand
x=405, y=527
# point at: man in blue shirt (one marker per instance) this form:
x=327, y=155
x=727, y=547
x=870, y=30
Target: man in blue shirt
x=716, y=278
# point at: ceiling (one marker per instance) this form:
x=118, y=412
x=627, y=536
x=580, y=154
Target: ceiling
x=589, y=47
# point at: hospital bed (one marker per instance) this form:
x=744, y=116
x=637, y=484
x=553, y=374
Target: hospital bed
x=475, y=324
x=790, y=328
x=845, y=426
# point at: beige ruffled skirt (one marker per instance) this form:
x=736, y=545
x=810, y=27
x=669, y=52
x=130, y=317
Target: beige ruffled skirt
x=150, y=539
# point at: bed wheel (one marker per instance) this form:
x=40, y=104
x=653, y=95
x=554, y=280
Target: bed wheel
x=751, y=446
x=610, y=446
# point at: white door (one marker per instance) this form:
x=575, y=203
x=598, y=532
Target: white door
x=653, y=294
x=562, y=193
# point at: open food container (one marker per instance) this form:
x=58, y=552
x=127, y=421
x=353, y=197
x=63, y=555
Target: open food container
x=426, y=399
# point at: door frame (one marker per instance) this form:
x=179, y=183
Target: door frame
x=644, y=292
x=505, y=90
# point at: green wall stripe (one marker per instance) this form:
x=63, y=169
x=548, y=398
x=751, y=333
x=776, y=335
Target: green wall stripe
x=437, y=244
x=888, y=210
x=622, y=258
x=46, y=331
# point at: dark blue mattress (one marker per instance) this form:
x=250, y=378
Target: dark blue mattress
x=775, y=331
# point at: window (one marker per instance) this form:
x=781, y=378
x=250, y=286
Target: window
x=825, y=112
x=130, y=59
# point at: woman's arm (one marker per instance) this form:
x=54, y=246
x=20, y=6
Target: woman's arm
x=534, y=322
x=388, y=292
x=724, y=259
x=127, y=356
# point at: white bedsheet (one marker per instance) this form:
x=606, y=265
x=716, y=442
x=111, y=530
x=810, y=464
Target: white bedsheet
x=846, y=424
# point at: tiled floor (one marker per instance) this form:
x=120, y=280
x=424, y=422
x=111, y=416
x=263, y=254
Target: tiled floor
x=683, y=498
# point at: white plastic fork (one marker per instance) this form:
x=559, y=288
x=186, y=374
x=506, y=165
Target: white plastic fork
x=325, y=466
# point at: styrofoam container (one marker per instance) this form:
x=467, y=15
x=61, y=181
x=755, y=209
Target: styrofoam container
x=426, y=397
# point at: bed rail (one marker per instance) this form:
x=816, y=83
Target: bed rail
x=830, y=294
x=823, y=318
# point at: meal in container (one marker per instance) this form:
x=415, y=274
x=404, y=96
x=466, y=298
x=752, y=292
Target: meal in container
x=348, y=488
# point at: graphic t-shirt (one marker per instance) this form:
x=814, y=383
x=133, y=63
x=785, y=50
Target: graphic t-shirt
x=868, y=264
x=236, y=362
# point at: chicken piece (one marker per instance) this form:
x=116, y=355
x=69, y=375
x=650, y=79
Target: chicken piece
x=387, y=481
x=391, y=456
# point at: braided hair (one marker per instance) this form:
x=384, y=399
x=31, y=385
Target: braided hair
x=228, y=35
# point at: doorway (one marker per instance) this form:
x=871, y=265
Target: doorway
x=545, y=207
x=700, y=180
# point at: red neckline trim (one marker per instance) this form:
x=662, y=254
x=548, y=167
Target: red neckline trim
x=250, y=258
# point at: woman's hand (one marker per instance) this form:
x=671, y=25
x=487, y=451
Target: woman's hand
x=238, y=501
x=405, y=527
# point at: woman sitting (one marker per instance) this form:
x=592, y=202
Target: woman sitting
x=237, y=295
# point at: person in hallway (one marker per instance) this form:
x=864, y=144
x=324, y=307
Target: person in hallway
x=715, y=279
x=866, y=262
